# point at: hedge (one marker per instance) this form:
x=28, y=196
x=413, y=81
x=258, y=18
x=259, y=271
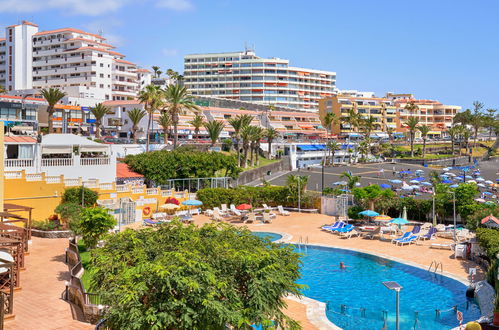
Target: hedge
x=489, y=241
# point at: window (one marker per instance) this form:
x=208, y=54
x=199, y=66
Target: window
x=102, y=65
x=101, y=75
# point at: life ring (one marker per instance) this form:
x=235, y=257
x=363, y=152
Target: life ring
x=146, y=211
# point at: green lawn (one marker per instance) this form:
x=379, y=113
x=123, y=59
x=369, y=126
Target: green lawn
x=427, y=156
x=85, y=261
x=263, y=162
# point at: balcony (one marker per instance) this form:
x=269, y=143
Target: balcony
x=94, y=161
x=57, y=162
x=19, y=163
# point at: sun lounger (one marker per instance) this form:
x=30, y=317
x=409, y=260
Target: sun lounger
x=281, y=210
x=409, y=240
x=344, y=229
x=216, y=215
x=404, y=236
x=352, y=232
x=224, y=208
x=441, y=246
x=267, y=217
x=371, y=234
x=333, y=226
x=429, y=234
x=340, y=226
x=150, y=222
x=266, y=207
x=220, y=212
x=416, y=230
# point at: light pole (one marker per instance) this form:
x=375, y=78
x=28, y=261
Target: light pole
x=454, y=212
x=322, y=174
x=391, y=285
x=434, y=216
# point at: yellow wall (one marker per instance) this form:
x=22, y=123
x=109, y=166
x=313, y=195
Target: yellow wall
x=44, y=193
x=2, y=148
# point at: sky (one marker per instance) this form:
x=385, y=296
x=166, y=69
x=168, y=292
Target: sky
x=447, y=50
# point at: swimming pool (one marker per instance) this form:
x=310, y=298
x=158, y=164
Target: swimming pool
x=264, y=234
x=357, y=299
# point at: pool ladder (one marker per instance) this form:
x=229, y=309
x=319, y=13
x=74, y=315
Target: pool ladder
x=303, y=241
x=435, y=265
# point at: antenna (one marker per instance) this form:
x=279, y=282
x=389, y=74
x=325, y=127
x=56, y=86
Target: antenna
x=100, y=32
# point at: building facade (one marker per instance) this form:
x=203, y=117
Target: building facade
x=79, y=63
x=247, y=77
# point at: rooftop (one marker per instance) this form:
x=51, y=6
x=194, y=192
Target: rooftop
x=123, y=171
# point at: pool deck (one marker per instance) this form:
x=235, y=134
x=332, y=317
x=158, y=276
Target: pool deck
x=307, y=226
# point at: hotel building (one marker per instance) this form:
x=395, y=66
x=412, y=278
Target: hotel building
x=79, y=63
x=390, y=113
x=245, y=76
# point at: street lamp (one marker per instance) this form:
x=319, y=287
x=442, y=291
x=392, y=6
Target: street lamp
x=392, y=285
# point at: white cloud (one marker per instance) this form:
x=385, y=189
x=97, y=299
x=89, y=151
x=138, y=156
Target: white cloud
x=73, y=7
x=170, y=52
x=178, y=5
x=106, y=27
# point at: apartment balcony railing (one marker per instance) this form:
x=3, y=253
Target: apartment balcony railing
x=94, y=161
x=57, y=162
x=19, y=163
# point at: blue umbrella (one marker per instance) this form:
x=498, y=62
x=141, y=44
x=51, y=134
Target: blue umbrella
x=426, y=183
x=369, y=213
x=497, y=180
x=419, y=179
x=192, y=202
x=395, y=181
x=469, y=177
x=453, y=186
x=399, y=221
x=385, y=186
x=405, y=172
x=459, y=178
x=446, y=181
x=414, y=181
x=487, y=193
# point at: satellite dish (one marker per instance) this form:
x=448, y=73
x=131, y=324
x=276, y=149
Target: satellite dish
x=5, y=256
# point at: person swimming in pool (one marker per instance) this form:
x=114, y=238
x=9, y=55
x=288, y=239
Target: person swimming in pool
x=342, y=265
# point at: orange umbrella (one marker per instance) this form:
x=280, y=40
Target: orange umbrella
x=382, y=218
x=243, y=207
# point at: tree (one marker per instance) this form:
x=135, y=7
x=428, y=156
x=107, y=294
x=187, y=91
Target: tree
x=463, y=118
x=477, y=120
x=466, y=133
x=270, y=134
x=238, y=123
x=156, y=70
x=411, y=107
x=453, y=132
x=99, y=111
x=256, y=136
x=214, y=128
x=328, y=121
x=352, y=119
x=70, y=214
x=135, y=115
x=52, y=96
x=352, y=180
x=246, y=135
x=424, y=129
x=165, y=122
x=151, y=97
x=412, y=124
x=197, y=123
x=490, y=121
x=94, y=223
x=296, y=183
x=332, y=146
x=364, y=148
x=368, y=125
x=80, y=195
x=370, y=195
x=185, y=277
x=178, y=100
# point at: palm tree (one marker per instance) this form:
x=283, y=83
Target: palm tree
x=368, y=125
x=332, y=146
x=156, y=70
x=197, y=122
x=411, y=107
x=353, y=119
x=466, y=133
x=328, y=120
x=99, y=111
x=52, y=96
x=453, y=132
x=151, y=97
x=477, y=119
x=270, y=134
x=351, y=179
x=165, y=122
x=255, y=143
x=178, y=99
x=135, y=115
x=270, y=108
x=297, y=182
x=424, y=129
x=412, y=124
x=214, y=128
x=238, y=123
x=246, y=135
x=490, y=120
x=364, y=148
x=389, y=130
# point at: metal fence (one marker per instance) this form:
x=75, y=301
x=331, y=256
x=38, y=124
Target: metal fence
x=195, y=184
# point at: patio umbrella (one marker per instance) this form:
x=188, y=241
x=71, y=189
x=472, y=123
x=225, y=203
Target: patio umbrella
x=404, y=212
x=396, y=181
x=405, y=172
x=469, y=177
x=169, y=207
x=407, y=188
x=471, y=181
x=479, y=179
x=425, y=183
x=399, y=221
x=487, y=193
x=192, y=202
x=385, y=186
x=490, y=203
x=243, y=207
x=495, y=185
x=481, y=185
x=342, y=183
x=459, y=178
x=382, y=218
x=449, y=174
x=357, y=184
x=446, y=169
x=453, y=186
x=419, y=171
x=172, y=200
x=480, y=200
x=415, y=187
x=488, y=182
x=447, y=181
x=419, y=179
x=414, y=181
x=337, y=183
x=369, y=213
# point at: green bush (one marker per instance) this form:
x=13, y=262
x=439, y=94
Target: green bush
x=94, y=223
x=73, y=195
x=353, y=212
x=70, y=214
x=227, y=144
x=46, y=225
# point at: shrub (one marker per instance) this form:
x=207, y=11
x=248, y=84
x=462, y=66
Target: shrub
x=70, y=214
x=227, y=144
x=45, y=225
x=73, y=195
x=94, y=223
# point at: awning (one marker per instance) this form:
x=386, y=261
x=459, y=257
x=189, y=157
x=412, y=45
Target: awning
x=101, y=148
x=354, y=134
x=311, y=147
x=56, y=149
x=22, y=128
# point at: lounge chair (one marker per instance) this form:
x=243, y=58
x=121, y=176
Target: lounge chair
x=150, y=222
x=344, y=229
x=281, y=210
x=442, y=246
x=208, y=212
x=404, y=236
x=251, y=218
x=335, y=225
x=350, y=233
x=267, y=218
x=416, y=230
x=220, y=212
x=187, y=218
x=233, y=208
x=429, y=234
x=216, y=215
x=224, y=208
x=371, y=234
x=266, y=207
x=409, y=240
x=340, y=226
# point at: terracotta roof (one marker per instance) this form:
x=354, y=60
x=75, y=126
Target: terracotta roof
x=20, y=139
x=91, y=41
x=20, y=98
x=490, y=218
x=143, y=70
x=121, y=102
x=29, y=23
x=95, y=48
x=68, y=30
x=122, y=171
x=123, y=61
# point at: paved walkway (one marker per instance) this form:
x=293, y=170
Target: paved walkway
x=38, y=305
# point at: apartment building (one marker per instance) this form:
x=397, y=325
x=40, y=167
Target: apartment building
x=79, y=63
x=247, y=77
x=390, y=113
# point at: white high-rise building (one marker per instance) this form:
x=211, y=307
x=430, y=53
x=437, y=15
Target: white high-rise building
x=247, y=77
x=77, y=62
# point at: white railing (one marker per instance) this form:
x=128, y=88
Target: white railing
x=18, y=162
x=57, y=161
x=121, y=188
x=166, y=193
x=151, y=191
x=95, y=161
x=72, y=182
x=137, y=190
x=53, y=179
x=13, y=175
x=33, y=177
x=90, y=184
x=179, y=194
x=106, y=186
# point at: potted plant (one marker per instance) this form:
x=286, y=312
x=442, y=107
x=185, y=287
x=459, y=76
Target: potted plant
x=496, y=310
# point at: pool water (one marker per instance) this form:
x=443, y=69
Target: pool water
x=263, y=234
x=357, y=299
